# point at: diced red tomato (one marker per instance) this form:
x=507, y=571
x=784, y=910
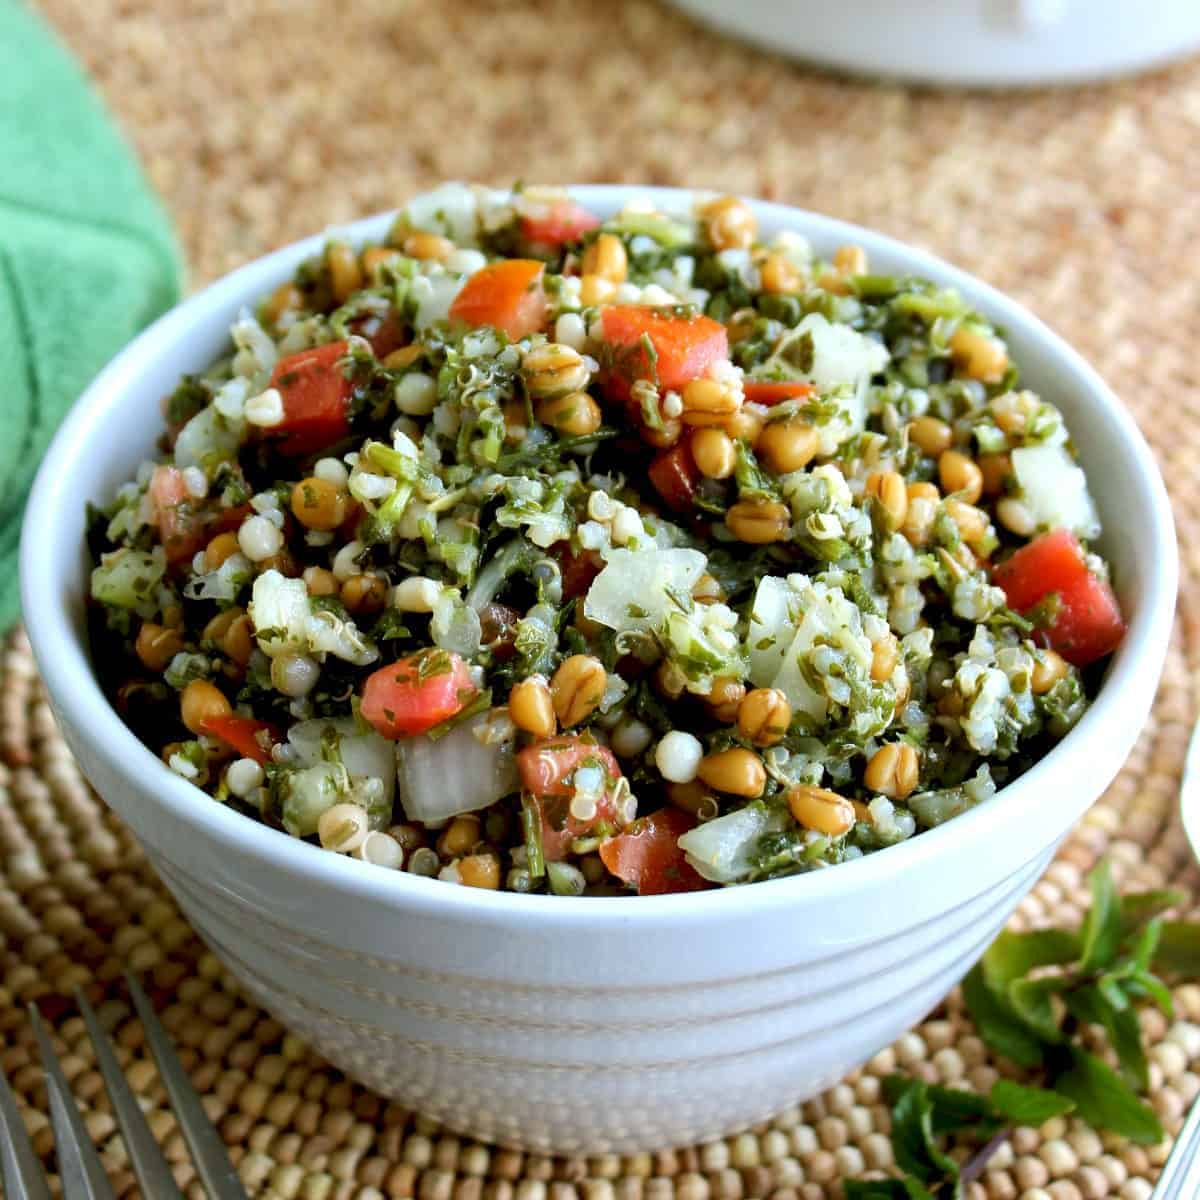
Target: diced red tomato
x=498, y=626
x=684, y=348
x=578, y=571
x=316, y=400
x=758, y=392
x=506, y=295
x=177, y=515
x=648, y=854
x=547, y=768
x=563, y=222
x=250, y=738
x=1086, y=622
x=416, y=693
x=675, y=475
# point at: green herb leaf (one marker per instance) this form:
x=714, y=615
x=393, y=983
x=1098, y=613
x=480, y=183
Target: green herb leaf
x=952, y=1110
x=1109, y=986
x=1023, y=1105
x=1013, y=955
x=998, y=1023
x=1096, y=1004
x=1125, y=1036
x=1086, y=1004
x=917, y=1153
x=955, y=1111
x=1033, y=1000
x=1178, y=949
x=1140, y=907
x=1146, y=944
x=1103, y=1099
x=1142, y=985
x=531, y=826
x=1101, y=932
x=753, y=483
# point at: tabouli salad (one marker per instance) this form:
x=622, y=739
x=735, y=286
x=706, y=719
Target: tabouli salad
x=540, y=551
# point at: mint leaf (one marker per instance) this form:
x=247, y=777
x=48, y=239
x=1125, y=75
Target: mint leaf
x=1146, y=944
x=1105, y=1003
x=1178, y=949
x=916, y=1151
x=1145, y=986
x=1027, y=1105
x=1125, y=1036
x=1086, y=1004
x=1109, y=987
x=1101, y=932
x=955, y=1111
x=952, y=1109
x=1033, y=1001
x=999, y=1024
x=1140, y=907
x=1013, y=955
x=1103, y=1099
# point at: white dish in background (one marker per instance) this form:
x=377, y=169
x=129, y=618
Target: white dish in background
x=967, y=43
x=591, y=1024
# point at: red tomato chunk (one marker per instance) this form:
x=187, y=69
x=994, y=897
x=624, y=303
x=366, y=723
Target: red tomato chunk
x=176, y=513
x=250, y=738
x=1084, y=620
x=683, y=348
x=648, y=855
x=506, y=295
x=416, y=693
x=547, y=769
x=316, y=400
x=563, y=222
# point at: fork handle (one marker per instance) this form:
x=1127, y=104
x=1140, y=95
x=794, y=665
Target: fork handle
x=1180, y=1178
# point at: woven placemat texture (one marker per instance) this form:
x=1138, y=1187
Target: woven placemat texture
x=260, y=122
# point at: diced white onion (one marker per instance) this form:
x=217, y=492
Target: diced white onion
x=632, y=590
x=1055, y=489
x=459, y=773
x=721, y=849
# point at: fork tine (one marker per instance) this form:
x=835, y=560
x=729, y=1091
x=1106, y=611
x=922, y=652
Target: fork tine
x=208, y=1151
x=149, y=1165
x=20, y=1171
x=83, y=1177
x=1180, y=1176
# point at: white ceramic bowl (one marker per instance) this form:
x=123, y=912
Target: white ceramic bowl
x=969, y=43
x=608, y=1023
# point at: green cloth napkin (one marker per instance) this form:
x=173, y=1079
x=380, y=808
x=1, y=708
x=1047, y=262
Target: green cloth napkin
x=87, y=256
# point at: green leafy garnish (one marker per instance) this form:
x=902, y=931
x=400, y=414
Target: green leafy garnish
x=1031, y=995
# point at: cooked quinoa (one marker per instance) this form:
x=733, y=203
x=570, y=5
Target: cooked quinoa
x=542, y=552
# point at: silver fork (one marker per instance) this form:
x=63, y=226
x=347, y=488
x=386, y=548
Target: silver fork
x=1180, y=1178
x=79, y=1168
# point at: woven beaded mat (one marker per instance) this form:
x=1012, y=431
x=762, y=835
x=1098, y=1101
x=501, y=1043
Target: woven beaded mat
x=260, y=122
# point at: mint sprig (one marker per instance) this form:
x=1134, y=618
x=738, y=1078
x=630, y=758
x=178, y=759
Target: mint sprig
x=1032, y=996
